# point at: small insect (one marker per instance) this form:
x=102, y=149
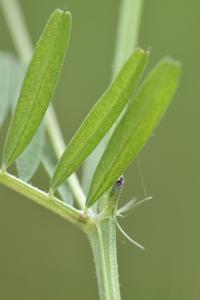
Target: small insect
x=120, y=182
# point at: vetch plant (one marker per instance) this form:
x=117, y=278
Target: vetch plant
x=110, y=138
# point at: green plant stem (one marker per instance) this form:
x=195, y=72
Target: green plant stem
x=18, y=29
x=16, y=24
x=127, y=31
x=52, y=203
x=102, y=238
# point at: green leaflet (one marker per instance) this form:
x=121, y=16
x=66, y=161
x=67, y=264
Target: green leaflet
x=126, y=42
x=101, y=117
x=28, y=162
x=38, y=85
x=6, y=63
x=142, y=117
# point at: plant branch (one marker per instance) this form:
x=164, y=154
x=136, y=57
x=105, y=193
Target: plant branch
x=102, y=238
x=52, y=203
x=16, y=24
x=18, y=29
x=127, y=31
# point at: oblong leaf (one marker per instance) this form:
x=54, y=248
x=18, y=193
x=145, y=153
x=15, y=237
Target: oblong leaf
x=100, y=118
x=28, y=162
x=38, y=85
x=136, y=126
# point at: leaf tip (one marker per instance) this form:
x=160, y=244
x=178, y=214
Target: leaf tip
x=171, y=61
x=173, y=66
x=142, y=52
x=62, y=11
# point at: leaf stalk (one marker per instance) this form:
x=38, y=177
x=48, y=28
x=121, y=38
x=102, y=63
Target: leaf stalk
x=50, y=202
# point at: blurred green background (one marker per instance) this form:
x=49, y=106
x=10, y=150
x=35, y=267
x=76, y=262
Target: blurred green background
x=44, y=257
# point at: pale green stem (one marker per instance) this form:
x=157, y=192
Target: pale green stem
x=18, y=29
x=127, y=32
x=102, y=238
x=50, y=202
x=16, y=24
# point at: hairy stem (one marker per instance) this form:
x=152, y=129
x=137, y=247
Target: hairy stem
x=52, y=203
x=102, y=238
x=21, y=39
